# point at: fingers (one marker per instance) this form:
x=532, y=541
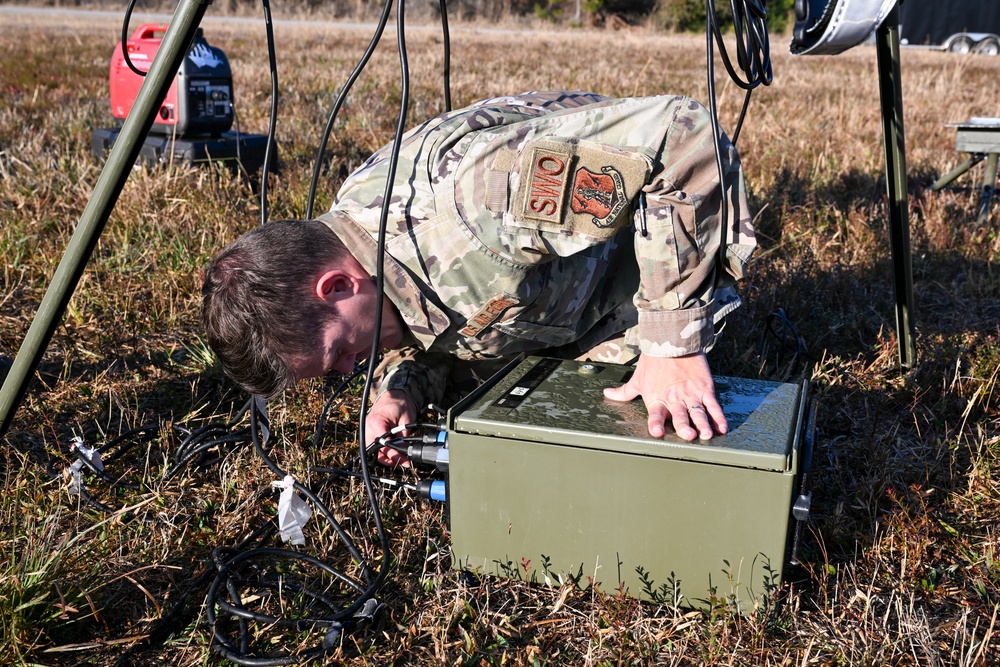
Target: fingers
x=392, y=458
x=392, y=409
x=716, y=414
x=658, y=415
x=699, y=420
x=375, y=428
x=678, y=391
x=681, y=420
x=624, y=393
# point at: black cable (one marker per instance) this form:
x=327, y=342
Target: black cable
x=341, y=97
x=753, y=57
x=321, y=422
x=239, y=135
x=752, y=50
x=258, y=444
x=347, y=472
x=782, y=350
x=338, y=616
x=214, y=435
x=446, y=63
x=404, y=103
x=325, y=138
x=161, y=629
x=227, y=648
x=124, y=42
x=268, y=152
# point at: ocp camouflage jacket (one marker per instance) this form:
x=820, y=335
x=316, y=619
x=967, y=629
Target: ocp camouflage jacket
x=551, y=220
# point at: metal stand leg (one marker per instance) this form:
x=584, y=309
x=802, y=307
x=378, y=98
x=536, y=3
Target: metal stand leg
x=891, y=93
x=973, y=160
x=989, y=188
x=95, y=216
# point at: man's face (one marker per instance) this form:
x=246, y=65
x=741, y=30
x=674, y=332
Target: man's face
x=347, y=337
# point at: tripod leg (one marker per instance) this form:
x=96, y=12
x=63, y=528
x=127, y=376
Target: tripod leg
x=989, y=188
x=891, y=93
x=116, y=170
x=973, y=160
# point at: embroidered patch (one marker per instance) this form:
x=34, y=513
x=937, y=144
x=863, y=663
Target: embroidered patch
x=599, y=195
x=546, y=185
x=487, y=315
x=590, y=194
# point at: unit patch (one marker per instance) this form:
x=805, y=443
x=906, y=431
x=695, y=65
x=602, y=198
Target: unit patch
x=576, y=187
x=600, y=195
x=546, y=185
x=487, y=315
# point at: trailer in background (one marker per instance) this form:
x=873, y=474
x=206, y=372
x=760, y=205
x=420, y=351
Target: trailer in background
x=959, y=26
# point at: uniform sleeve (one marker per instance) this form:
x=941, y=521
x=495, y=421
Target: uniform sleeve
x=422, y=375
x=678, y=236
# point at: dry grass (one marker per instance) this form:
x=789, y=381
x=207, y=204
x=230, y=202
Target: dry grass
x=902, y=565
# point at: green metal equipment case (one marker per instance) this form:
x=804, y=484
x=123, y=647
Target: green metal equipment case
x=549, y=480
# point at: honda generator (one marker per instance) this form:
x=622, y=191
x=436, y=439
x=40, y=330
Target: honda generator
x=193, y=123
x=200, y=99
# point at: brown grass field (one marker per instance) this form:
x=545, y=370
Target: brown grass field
x=901, y=565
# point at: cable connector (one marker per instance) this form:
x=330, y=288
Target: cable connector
x=432, y=489
x=439, y=438
x=429, y=454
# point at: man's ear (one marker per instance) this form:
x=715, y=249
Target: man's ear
x=335, y=284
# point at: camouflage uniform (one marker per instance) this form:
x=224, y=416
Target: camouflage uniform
x=551, y=221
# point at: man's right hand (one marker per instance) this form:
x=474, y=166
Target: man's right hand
x=393, y=408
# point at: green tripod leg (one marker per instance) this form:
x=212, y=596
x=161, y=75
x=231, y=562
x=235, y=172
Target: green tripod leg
x=973, y=160
x=891, y=93
x=95, y=216
x=989, y=188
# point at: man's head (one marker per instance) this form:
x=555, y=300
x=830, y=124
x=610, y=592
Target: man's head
x=260, y=305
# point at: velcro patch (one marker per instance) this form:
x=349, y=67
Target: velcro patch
x=487, y=315
x=577, y=186
x=546, y=185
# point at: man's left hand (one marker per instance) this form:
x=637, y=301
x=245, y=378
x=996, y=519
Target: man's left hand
x=676, y=388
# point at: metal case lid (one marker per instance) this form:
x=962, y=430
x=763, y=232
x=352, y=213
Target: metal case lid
x=560, y=402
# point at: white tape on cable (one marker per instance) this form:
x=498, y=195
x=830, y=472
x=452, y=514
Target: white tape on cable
x=834, y=26
x=293, y=512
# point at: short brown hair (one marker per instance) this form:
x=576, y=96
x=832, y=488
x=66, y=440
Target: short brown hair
x=258, y=304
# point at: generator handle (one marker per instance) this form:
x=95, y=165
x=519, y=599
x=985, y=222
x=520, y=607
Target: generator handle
x=150, y=30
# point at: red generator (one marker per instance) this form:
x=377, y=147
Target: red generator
x=200, y=99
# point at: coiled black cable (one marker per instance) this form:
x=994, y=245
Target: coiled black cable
x=337, y=613
x=194, y=444
x=753, y=51
x=754, y=59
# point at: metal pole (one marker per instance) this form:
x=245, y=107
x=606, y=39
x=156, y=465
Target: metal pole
x=891, y=93
x=123, y=155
